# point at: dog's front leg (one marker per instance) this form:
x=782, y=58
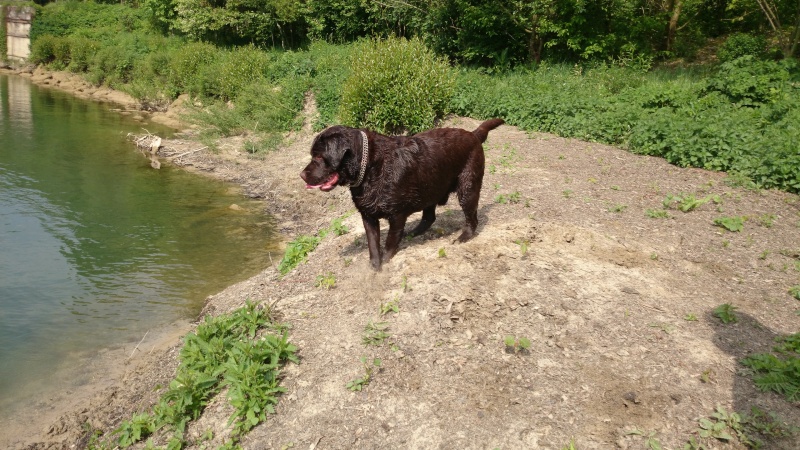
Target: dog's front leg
x=373, y=230
x=396, y=226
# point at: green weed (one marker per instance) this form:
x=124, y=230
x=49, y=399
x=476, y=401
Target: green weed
x=442, y=253
x=617, y=208
x=238, y=351
x=326, y=281
x=794, y=291
x=778, y=374
x=523, y=246
x=516, y=345
x=361, y=382
x=375, y=333
x=766, y=220
x=734, y=224
x=726, y=313
x=297, y=251
x=657, y=214
x=390, y=306
x=503, y=199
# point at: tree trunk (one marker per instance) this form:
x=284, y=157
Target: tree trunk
x=672, y=26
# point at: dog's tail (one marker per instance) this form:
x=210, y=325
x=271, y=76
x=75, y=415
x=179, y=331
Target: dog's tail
x=484, y=129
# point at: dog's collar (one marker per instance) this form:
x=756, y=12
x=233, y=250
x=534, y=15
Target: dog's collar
x=364, y=159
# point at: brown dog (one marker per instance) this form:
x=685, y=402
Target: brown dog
x=392, y=177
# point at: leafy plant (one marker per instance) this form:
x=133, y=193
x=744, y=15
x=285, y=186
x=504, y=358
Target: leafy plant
x=390, y=306
x=404, y=284
x=297, y=251
x=794, y=291
x=657, y=214
x=375, y=333
x=513, y=197
x=523, y=246
x=516, y=345
x=734, y=224
x=778, y=374
x=361, y=382
x=442, y=253
x=326, y=281
x=766, y=220
x=224, y=351
x=726, y=313
x=687, y=202
x=720, y=425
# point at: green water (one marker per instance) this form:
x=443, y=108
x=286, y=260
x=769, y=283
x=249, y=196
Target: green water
x=96, y=247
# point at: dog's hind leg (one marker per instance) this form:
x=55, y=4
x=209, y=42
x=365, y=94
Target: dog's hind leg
x=428, y=217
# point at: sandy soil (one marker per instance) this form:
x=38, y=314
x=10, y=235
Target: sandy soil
x=604, y=293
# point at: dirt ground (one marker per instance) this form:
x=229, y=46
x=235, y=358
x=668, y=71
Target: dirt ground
x=625, y=350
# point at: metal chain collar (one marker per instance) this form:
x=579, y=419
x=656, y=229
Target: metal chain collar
x=364, y=159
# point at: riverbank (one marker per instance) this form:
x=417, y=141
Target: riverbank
x=575, y=252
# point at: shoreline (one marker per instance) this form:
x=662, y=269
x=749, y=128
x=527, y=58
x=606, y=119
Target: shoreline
x=46, y=426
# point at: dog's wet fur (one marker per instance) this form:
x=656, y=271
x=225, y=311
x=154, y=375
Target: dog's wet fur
x=404, y=175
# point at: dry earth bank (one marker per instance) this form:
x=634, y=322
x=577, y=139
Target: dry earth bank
x=565, y=256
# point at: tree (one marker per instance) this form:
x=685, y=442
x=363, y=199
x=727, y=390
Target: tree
x=788, y=37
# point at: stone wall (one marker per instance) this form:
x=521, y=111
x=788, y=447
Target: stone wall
x=18, y=28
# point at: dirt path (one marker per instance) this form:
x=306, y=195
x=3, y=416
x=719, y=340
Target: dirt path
x=603, y=292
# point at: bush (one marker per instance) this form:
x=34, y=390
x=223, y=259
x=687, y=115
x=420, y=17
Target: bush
x=741, y=44
x=187, y=64
x=233, y=70
x=82, y=50
x=396, y=85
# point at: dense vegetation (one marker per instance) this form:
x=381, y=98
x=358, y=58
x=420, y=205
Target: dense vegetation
x=574, y=68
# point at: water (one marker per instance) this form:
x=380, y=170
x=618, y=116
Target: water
x=96, y=247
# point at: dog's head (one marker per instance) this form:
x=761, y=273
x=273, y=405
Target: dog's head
x=335, y=156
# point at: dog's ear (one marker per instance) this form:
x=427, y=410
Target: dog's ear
x=339, y=148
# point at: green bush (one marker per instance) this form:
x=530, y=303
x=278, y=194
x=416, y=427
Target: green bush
x=741, y=44
x=43, y=50
x=82, y=50
x=396, y=85
x=187, y=64
x=233, y=70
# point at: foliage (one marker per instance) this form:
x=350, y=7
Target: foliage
x=742, y=118
x=516, y=345
x=297, y=251
x=396, y=85
x=375, y=333
x=780, y=374
x=224, y=351
x=741, y=44
x=326, y=281
x=734, y=224
x=726, y=313
x=361, y=382
x=794, y=291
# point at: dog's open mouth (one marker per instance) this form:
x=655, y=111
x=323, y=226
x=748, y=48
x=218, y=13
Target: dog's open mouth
x=329, y=184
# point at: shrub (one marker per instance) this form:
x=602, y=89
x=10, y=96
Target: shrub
x=396, y=85
x=82, y=50
x=187, y=64
x=229, y=73
x=741, y=44
x=43, y=50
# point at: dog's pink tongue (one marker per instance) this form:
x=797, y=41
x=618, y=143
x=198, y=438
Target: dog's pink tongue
x=327, y=185
x=331, y=183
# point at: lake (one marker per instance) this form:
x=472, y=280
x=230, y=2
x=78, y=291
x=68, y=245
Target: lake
x=97, y=248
